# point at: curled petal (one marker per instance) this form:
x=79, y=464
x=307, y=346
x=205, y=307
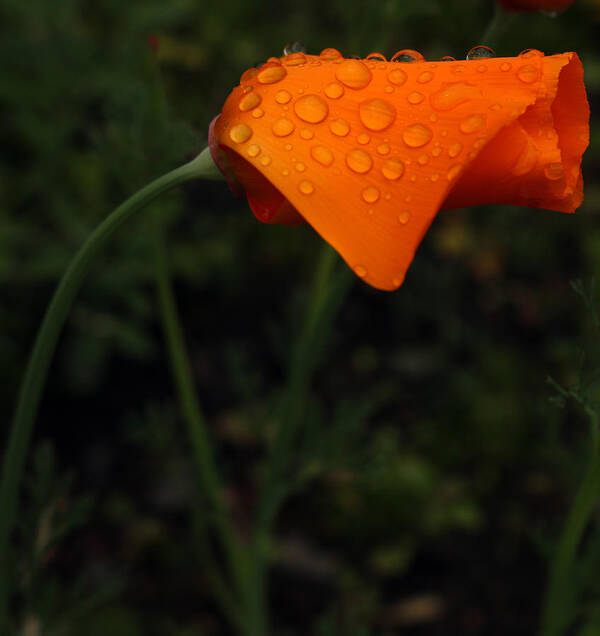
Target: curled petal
x=368, y=151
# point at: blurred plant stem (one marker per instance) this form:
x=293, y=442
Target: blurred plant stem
x=501, y=20
x=41, y=355
x=328, y=292
x=558, y=608
x=211, y=485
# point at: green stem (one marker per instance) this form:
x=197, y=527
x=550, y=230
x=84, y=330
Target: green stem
x=210, y=482
x=558, y=604
x=45, y=345
x=327, y=295
x=501, y=20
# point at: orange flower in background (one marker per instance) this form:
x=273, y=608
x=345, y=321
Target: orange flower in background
x=367, y=151
x=536, y=5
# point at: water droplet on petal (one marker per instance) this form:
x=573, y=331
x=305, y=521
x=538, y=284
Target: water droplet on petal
x=376, y=56
x=330, y=54
x=416, y=135
x=240, y=133
x=363, y=139
x=407, y=55
x=415, y=97
x=249, y=101
x=285, y=172
x=528, y=74
x=389, y=89
x=455, y=150
x=370, y=194
x=322, y=155
x=436, y=152
x=359, y=161
x=306, y=187
x=265, y=160
x=452, y=95
x=354, y=74
x=448, y=58
x=295, y=47
x=283, y=127
x=253, y=150
x=528, y=53
x=482, y=68
x=480, y=51
x=397, y=77
x=472, y=123
x=434, y=177
x=306, y=133
x=360, y=271
x=288, y=147
x=271, y=73
x=392, y=169
x=311, y=108
x=423, y=159
x=454, y=171
x=425, y=77
x=376, y=114
x=403, y=217
x=339, y=127
x=334, y=90
x=300, y=167
x=383, y=149
x=282, y=97
x=294, y=59
x=257, y=113
x=248, y=75
x=505, y=66
x=554, y=171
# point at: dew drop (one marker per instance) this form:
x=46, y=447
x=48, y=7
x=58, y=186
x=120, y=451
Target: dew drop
x=528, y=74
x=295, y=47
x=505, y=66
x=285, y=172
x=283, y=97
x=300, y=167
x=529, y=53
x=389, y=89
x=311, y=108
x=425, y=77
x=294, y=59
x=306, y=187
x=253, y=150
x=271, y=73
x=288, y=147
x=363, y=139
x=423, y=159
x=283, y=127
x=359, y=161
x=388, y=196
x=403, y=217
x=307, y=133
x=339, y=127
x=433, y=117
x=554, y=171
x=249, y=101
x=455, y=150
x=322, y=155
x=360, y=271
x=376, y=114
x=392, y=169
x=407, y=55
x=448, y=58
x=454, y=171
x=383, y=149
x=376, y=56
x=257, y=113
x=482, y=68
x=330, y=54
x=435, y=176
x=370, y=194
x=452, y=95
x=334, y=90
x=437, y=151
x=415, y=97
x=265, y=160
x=353, y=74
x=480, y=51
x=416, y=135
x=240, y=133
x=397, y=77
x=472, y=123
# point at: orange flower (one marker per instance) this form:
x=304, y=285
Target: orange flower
x=367, y=151
x=536, y=5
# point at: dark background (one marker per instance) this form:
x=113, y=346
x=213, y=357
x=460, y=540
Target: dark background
x=447, y=469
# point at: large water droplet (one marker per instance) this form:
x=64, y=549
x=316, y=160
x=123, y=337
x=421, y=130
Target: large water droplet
x=339, y=127
x=417, y=135
x=376, y=114
x=294, y=59
x=528, y=74
x=472, y=123
x=353, y=74
x=415, y=97
x=480, y=51
x=528, y=53
x=425, y=77
x=376, y=56
x=452, y=95
x=295, y=47
x=322, y=155
x=330, y=54
x=334, y=90
x=253, y=150
x=392, y=169
x=240, y=133
x=455, y=150
x=248, y=75
x=407, y=55
x=282, y=97
x=554, y=171
x=311, y=108
x=360, y=271
x=370, y=194
x=249, y=101
x=359, y=161
x=271, y=73
x=283, y=127
x=306, y=187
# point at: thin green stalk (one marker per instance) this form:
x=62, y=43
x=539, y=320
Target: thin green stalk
x=45, y=345
x=210, y=481
x=560, y=594
x=327, y=295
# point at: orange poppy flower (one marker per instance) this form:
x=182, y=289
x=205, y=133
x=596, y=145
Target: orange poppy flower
x=536, y=5
x=367, y=151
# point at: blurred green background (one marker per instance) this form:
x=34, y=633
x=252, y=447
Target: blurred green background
x=442, y=462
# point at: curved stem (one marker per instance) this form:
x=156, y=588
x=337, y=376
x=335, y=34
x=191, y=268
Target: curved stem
x=558, y=603
x=45, y=344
